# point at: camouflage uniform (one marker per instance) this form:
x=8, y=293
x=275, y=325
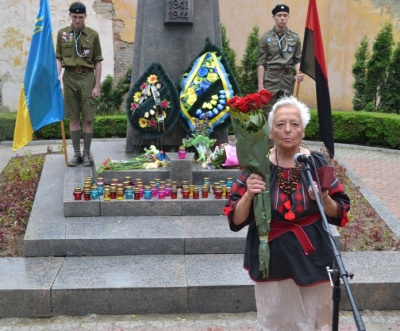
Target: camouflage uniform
x=278, y=59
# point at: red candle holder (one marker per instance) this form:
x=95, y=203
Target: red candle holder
x=185, y=194
x=77, y=193
x=218, y=193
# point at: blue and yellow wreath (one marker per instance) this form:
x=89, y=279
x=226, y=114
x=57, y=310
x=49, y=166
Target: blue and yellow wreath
x=205, y=88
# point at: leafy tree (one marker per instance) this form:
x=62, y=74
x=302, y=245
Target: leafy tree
x=390, y=98
x=359, y=71
x=248, y=73
x=378, y=64
x=229, y=53
x=111, y=97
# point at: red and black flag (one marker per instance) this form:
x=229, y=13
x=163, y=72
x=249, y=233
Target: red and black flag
x=313, y=64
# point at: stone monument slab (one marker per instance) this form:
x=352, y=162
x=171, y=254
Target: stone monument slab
x=175, y=46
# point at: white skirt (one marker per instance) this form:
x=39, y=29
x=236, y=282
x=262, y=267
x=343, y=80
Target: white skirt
x=282, y=305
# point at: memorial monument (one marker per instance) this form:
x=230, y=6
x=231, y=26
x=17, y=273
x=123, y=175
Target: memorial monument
x=171, y=33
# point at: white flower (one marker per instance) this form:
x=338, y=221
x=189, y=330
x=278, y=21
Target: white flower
x=146, y=114
x=152, y=112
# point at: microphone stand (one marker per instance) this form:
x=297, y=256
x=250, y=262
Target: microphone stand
x=338, y=267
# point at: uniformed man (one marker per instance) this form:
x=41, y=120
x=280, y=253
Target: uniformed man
x=78, y=51
x=279, y=53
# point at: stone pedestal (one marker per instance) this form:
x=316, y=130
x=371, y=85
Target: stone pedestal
x=175, y=45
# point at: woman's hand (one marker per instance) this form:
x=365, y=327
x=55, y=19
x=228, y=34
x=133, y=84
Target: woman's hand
x=330, y=206
x=255, y=184
x=325, y=193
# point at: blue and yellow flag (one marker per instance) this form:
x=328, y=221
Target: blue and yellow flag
x=41, y=101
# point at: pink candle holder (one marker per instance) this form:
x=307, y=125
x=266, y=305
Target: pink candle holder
x=182, y=153
x=161, y=194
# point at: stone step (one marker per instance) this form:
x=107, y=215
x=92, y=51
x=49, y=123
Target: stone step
x=144, y=284
x=50, y=233
x=58, y=280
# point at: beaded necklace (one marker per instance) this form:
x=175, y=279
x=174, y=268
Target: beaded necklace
x=289, y=184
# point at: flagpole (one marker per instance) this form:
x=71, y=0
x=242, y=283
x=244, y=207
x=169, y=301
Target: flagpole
x=64, y=144
x=297, y=88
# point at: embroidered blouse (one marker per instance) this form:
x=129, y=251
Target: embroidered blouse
x=300, y=249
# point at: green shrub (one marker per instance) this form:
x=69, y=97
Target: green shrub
x=390, y=98
x=110, y=126
x=361, y=127
x=229, y=53
x=377, y=65
x=359, y=71
x=111, y=97
x=248, y=71
x=7, y=125
x=53, y=131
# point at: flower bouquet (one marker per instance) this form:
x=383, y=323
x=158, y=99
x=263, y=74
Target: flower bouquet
x=252, y=136
x=200, y=139
x=150, y=159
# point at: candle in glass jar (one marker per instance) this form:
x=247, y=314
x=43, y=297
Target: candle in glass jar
x=147, y=192
x=86, y=194
x=174, y=193
x=113, y=193
x=128, y=192
x=196, y=193
x=77, y=193
x=107, y=194
x=185, y=193
x=137, y=193
x=94, y=192
x=218, y=193
x=161, y=193
x=204, y=192
x=120, y=193
x=182, y=152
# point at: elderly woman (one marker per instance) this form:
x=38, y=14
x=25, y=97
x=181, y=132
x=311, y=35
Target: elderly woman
x=297, y=294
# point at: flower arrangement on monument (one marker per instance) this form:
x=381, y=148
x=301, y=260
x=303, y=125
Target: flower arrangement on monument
x=200, y=81
x=151, y=158
x=252, y=136
x=154, y=107
x=200, y=139
x=152, y=117
x=204, y=89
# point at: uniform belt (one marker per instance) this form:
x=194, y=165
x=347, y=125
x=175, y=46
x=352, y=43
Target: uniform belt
x=280, y=71
x=79, y=70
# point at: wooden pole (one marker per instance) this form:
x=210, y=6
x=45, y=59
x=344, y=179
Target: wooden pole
x=297, y=88
x=64, y=144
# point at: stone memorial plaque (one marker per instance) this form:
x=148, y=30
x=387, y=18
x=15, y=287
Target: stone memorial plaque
x=178, y=12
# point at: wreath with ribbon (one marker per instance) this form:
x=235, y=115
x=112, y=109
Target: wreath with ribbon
x=153, y=103
x=205, y=88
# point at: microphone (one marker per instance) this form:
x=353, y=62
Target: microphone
x=301, y=158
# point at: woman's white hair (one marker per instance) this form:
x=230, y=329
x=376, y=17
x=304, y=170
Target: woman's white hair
x=290, y=102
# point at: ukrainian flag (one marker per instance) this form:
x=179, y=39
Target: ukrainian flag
x=41, y=101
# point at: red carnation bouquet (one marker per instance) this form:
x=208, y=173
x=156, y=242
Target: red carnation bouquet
x=252, y=136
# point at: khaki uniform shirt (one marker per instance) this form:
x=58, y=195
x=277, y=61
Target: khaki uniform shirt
x=83, y=50
x=278, y=55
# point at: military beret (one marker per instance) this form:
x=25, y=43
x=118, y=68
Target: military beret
x=77, y=8
x=279, y=8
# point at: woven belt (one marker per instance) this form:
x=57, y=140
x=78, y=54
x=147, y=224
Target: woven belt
x=279, y=71
x=278, y=228
x=79, y=70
